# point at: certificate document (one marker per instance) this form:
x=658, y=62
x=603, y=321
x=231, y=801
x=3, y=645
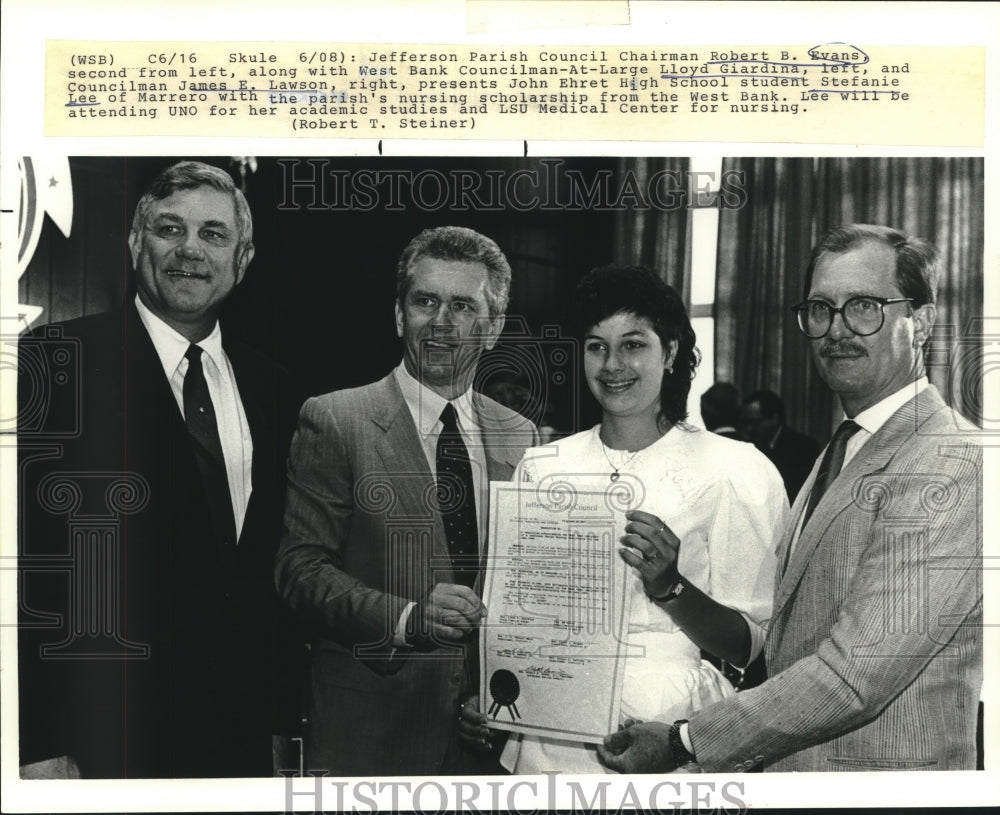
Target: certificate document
x=553, y=644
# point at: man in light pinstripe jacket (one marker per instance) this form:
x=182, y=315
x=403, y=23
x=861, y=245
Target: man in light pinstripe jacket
x=875, y=644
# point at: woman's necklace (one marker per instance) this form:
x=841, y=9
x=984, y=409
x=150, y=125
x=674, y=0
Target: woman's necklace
x=616, y=474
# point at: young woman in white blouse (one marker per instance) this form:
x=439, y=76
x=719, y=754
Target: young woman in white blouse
x=701, y=539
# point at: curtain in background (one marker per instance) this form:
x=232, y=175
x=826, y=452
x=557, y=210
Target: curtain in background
x=764, y=248
x=656, y=237
x=760, y=254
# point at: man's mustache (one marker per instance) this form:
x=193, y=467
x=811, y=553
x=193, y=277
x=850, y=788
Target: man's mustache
x=444, y=332
x=843, y=348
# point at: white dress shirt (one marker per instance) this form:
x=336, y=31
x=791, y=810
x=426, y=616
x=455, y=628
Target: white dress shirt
x=872, y=419
x=234, y=430
x=425, y=407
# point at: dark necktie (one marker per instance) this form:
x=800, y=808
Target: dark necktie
x=199, y=415
x=457, y=499
x=830, y=466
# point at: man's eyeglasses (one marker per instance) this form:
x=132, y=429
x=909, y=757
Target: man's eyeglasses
x=862, y=315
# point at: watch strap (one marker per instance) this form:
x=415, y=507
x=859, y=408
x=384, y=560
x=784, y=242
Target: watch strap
x=672, y=593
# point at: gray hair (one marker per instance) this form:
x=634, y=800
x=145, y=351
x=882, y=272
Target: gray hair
x=458, y=243
x=189, y=175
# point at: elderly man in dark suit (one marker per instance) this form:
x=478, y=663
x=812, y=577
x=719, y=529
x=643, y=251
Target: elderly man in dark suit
x=386, y=517
x=875, y=645
x=169, y=651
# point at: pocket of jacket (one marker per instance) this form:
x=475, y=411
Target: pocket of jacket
x=861, y=763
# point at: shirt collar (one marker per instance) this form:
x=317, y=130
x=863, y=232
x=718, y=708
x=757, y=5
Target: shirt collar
x=871, y=419
x=171, y=346
x=425, y=405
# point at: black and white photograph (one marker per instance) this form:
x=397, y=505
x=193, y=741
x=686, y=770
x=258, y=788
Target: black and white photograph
x=293, y=578
x=524, y=406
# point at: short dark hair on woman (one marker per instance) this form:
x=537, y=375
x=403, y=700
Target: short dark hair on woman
x=610, y=290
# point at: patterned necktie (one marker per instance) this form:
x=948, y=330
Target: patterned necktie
x=830, y=467
x=457, y=499
x=199, y=415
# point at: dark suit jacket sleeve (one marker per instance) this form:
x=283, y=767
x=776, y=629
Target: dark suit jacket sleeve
x=907, y=599
x=318, y=515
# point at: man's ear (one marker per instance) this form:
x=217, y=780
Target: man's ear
x=923, y=323
x=134, y=245
x=243, y=262
x=400, y=323
x=496, y=327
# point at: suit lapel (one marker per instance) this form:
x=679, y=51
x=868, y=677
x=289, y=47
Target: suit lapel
x=254, y=400
x=153, y=405
x=789, y=535
x=495, y=427
x=157, y=407
x=502, y=458
x=873, y=457
x=257, y=402
x=398, y=446
x=248, y=385
x=160, y=447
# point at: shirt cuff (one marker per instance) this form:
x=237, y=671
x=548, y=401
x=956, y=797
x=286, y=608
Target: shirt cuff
x=757, y=636
x=687, y=739
x=399, y=635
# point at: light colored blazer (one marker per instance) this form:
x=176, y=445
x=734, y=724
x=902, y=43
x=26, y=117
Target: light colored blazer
x=875, y=645
x=361, y=540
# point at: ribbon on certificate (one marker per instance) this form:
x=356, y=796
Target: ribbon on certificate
x=504, y=688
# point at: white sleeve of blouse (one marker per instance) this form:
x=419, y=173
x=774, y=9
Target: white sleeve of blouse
x=743, y=541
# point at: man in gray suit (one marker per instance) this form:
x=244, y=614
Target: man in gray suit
x=875, y=644
x=386, y=517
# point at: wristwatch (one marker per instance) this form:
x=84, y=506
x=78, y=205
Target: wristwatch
x=672, y=593
x=679, y=753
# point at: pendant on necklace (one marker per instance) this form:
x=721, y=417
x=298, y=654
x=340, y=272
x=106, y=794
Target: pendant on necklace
x=617, y=470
